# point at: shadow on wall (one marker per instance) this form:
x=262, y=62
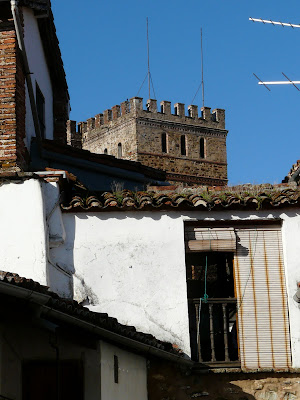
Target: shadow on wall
x=169, y=381
x=61, y=268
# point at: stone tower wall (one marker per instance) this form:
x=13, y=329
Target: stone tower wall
x=140, y=133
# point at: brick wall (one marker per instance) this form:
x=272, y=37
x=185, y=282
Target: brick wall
x=13, y=154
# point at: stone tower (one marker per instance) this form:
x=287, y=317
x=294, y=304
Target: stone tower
x=191, y=149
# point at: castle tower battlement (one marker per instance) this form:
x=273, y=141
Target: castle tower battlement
x=134, y=107
x=189, y=145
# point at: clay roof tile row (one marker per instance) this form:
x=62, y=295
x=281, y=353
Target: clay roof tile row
x=254, y=198
x=72, y=308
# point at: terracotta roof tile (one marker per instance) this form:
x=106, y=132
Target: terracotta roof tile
x=254, y=197
x=72, y=308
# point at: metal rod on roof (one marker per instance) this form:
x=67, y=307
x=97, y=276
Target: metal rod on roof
x=279, y=83
x=293, y=83
x=266, y=21
x=261, y=82
x=202, y=81
x=148, y=53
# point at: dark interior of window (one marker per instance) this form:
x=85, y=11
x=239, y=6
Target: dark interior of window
x=163, y=142
x=202, y=148
x=212, y=306
x=183, y=145
x=50, y=380
x=40, y=105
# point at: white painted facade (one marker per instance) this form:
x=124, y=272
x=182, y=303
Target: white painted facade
x=130, y=265
x=39, y=74
x=22, y=233
x=132, y=374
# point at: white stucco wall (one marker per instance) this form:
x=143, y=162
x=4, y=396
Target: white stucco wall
x=40, y=74
x=132, y=373
x=132, y=266
x=22, y=233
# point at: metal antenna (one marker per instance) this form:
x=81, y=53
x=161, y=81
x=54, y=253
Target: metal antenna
x=269, y=21
x=261, y=82
x=202, y=81
x=148, y=58
x=289, y=81
x=293, y=83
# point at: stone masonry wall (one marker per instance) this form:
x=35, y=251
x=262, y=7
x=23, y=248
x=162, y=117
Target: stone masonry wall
x=110, y=136
x=168, y=382
x=140, y=133
x=13, y=154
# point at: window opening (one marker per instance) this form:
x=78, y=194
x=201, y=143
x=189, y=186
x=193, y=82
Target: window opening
x=183, y=145
x=175, y=111
x=212, y=306
x=40, y=105
x=202, y=148
x=162, y=109
x=164, y=143
x=105, y=151
x=119, y=150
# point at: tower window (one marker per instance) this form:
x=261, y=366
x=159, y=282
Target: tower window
x=164, y=143
x=202, y=148
x=175, y=110
x=183, y=145
x=119, y=150
x=162, y=109
x=105, y=151
x=40, y=106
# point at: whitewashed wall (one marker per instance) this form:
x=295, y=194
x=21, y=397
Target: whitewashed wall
x=40, y=74
x=22, y=233
x=132, y=375
x=132, y=266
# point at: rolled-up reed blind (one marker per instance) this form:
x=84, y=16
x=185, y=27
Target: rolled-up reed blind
x=210, y=239
x=264, y=339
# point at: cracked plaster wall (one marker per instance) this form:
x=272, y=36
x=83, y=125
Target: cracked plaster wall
x=132, y=267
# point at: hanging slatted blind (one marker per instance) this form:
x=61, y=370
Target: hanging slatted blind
x=210, y=239
x=262, y=302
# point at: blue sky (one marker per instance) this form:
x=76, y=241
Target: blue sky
x=103, y=45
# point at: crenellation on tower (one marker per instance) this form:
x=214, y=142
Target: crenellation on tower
x=190, y=148
x=179, y=109
x=193, y=111
x=165, y=107
x=151, y=105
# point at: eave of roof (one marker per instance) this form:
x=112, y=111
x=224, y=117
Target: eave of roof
x=103, y=159
x=74, y=312
x=256, y=198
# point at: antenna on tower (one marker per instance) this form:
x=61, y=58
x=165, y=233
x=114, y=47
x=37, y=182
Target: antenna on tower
x=283, y=24
x=202, y=79
x=148, y=75
x=148, y=58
